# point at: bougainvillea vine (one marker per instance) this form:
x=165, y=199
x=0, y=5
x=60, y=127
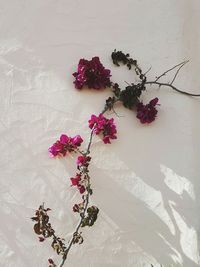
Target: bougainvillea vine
x=92, y=74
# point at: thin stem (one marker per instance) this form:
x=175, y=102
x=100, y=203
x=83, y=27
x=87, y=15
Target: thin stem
x=81, y=152
x=86, y=202
x=180, y=65
x=147, y=70
x=178, y=71
x=77, y=228
x=173, y=87
x=90, y=141
x=164, y=73
x=127, y=83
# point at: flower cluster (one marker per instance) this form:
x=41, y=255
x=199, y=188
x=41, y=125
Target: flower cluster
x=147, y=113
x=64, y=145
x=105, y=127
x=91, y=73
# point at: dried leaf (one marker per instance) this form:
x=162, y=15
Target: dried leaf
x=36, y=228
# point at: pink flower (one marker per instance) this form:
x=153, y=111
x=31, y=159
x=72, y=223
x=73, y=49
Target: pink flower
x=147, y=113
x=81, y=189
x=51, y=261
x=78, y=207
x=76, y=181
x=75, y=208
x=104, y=126
x=91, y=73
x=55, y=149
x=64, y=139
x=77, y=140
x=64, y=145
x=83, y=161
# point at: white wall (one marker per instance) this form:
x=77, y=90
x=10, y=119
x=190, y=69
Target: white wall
x=146, y=183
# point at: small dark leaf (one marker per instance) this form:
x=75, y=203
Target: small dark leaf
x=110, y=103
x=35, y=219
x=41, y=239
x=91, y=216
x=58, y=245
x=116, y=90
x=90, y=191
x=36, y=228
x=84, y=222
x=78, y=238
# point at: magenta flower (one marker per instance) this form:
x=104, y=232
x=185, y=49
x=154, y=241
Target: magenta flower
x=64, y=145
x=77, y=140
x=147, y=113
x=76, y=181
x=91, y=73
x=51, y=262
x=105, y=127
x=75, y=208
x=78, y=207
x=81, y=189
x=83, y=161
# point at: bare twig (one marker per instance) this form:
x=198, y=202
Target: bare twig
x=173, y=87
x=178, y=71
x=147, y=70
x=78, y=226
x=164, y=73
x=180, y=65
x=81, y=152
x=119, y=116
x=127, y=83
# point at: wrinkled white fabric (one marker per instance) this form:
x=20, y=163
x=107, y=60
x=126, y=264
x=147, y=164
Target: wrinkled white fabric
x=146, y=183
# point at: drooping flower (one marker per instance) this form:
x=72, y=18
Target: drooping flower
x=78, y=207
x=147, y=113
x=83, y=161
x=76, y=181
x=64, y=145
x=51, y=262
x=105, y=127
x=77, y=140
x=91, y=73
x=81, y=189
x=75, y=208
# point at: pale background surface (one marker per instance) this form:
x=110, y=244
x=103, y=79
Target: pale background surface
x=146, y=183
